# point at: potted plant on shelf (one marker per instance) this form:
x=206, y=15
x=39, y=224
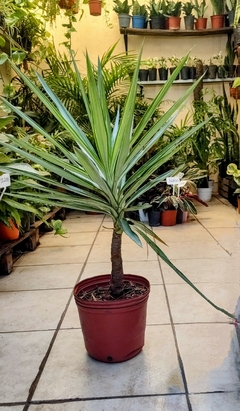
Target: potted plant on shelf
x=122, y=8
x=174, y=61
x=139, y=15
x=200, y=8
x=230, y=7
x=235, y=88
x=157, y=11
x=174, y=12
x=163, y=68
x=232, y=170
x=217, y=19
x=98, y=178
x=152, y=64
x=189, y=18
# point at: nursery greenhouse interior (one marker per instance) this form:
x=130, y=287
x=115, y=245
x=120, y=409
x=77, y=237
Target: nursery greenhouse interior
x=120, y=205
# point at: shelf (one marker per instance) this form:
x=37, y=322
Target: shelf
x=159, y=32
x=158, y=82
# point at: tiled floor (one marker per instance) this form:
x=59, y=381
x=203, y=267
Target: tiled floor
x=190, y=360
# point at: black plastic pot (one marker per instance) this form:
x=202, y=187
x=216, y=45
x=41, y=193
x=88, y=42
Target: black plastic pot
x=212, y=71
x=154, y=217
x=192, y=73
x=157, y=22
x=172, y=70
x=152, y=74
x=143, y=74
x=185, y=73
x=163, y=73
x=205, y=70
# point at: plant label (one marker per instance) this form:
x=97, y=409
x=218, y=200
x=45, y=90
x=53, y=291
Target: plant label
x=5, y=180
x=173, y=180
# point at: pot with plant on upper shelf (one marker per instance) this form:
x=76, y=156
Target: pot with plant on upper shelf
x=235, y=88
x=122, y=8
x=200, y=9
x=139, y=15
x=174, y=14
x=157, y=11
x=230, y=8
x=189, y=18
x=217, y=19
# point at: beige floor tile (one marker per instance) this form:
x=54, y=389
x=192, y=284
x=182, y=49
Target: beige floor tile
x=154, y=371
x=189, y=307
x=216, y=401
x=85, y=226
x=41, y=277
x=21, y=356
x=183, y=232
x=229, y=238
x=204, y=270
x=51, y=240
x=71, y=319
x=194, y=249
x=157, y=311
x=32, y=310
x=209, y=353
x=217, y=220
x=164, y=403
x=55, y=255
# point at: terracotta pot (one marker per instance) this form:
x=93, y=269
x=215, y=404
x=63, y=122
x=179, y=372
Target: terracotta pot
x=168, y=217
x=235, y=92
x=217, y=21
x=68, y=4
x=174, y=22
x=8, y=233
x=113, y=331
x=95, y=7
x=201, y=23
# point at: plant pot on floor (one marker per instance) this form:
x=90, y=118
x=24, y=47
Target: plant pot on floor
x=113, y=330
x=124, y=20
x=182, y=216
x=168, y=218
x=205, y=193
x=8, y=233
x=154, y=217
x=95, y=7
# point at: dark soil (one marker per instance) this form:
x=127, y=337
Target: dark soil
x=103, y=293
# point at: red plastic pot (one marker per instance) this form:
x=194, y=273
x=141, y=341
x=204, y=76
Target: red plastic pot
x=113, y=331
x=217, y=21
x=168, y=217
x=174, y=22
x=8, y=233
x=201, y=23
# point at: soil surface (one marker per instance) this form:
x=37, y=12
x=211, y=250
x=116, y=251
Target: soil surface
x=103, y=293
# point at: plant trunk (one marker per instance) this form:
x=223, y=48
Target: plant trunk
x=117, y=265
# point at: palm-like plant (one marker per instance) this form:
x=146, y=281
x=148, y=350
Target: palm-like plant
x=99, y=178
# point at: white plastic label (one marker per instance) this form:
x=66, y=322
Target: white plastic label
x=5, y=180
x=173, y=180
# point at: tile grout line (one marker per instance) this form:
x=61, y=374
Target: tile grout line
x=180, y=362
x=35, y=382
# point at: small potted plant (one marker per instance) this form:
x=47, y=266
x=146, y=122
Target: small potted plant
x=217, y=19
x=232, y=170
x=143, y=72
x=152, y=64
x=187, y=9
x=156, y=14
x=163, y=68
x=139, y=15
x=122, y=8
x=174, y=61
x=200, y=9
x=235, y=88
x=174, y=12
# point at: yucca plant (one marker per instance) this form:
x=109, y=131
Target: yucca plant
x=99, y=178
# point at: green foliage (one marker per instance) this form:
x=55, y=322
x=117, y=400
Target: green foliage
x=99, y=178
x=121, y=7
x=218, y=6
x=232, y=170
x=157, y=8
x=188, y=8
x=199, y=7
x=174, y=8
x=138, y=9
